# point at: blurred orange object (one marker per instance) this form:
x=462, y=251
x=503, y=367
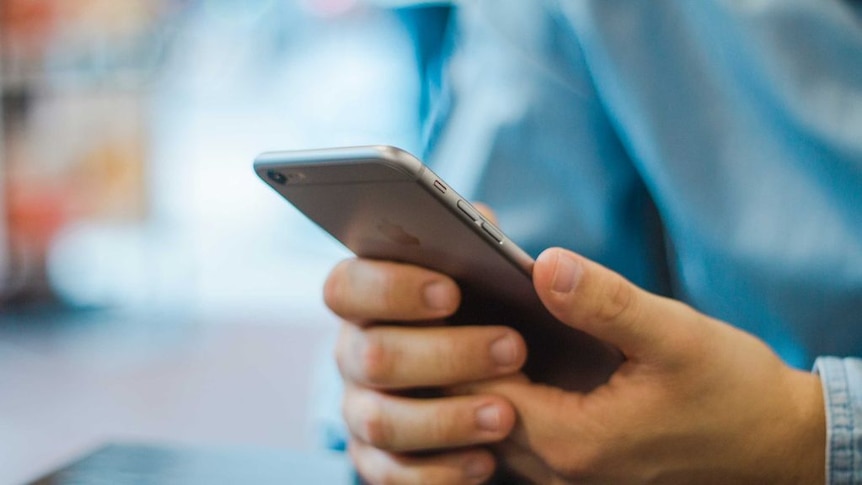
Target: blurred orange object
x=35, y=215
x=27, y=24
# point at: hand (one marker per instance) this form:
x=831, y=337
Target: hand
x=380, y=361
x=697, y=401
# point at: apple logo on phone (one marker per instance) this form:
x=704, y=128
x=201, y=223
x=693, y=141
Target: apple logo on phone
x=397, y=234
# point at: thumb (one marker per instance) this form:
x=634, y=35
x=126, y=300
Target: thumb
x=595, y=300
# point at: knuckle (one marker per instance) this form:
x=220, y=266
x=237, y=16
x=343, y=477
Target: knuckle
x=618, y=299
x=577, y=465
x=375, y=362
x=373, y=426
x=690, y=338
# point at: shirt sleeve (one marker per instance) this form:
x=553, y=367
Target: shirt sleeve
x=842, y=391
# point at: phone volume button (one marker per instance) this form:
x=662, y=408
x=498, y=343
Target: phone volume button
x=491, y=231
x=465, y=208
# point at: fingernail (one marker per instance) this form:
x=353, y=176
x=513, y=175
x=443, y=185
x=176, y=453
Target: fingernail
x=477, y=469
x=567, y=274
x=438, y=296
x=488, y=417
x=503, y=351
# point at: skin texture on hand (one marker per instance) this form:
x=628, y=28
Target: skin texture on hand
x=696, y=401
x=401, y=439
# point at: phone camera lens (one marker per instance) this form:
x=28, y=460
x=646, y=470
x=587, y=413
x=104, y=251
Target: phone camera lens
x=276, y=177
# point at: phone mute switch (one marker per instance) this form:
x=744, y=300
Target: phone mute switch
x=493, y=232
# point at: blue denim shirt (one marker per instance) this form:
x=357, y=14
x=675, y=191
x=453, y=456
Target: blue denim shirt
x=709, y=150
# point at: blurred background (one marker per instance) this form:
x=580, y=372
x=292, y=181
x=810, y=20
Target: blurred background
x=151, y=288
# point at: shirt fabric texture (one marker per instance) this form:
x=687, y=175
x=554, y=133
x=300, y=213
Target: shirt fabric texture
x=707, y=150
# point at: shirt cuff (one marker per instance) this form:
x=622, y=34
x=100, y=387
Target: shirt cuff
x=842, y=392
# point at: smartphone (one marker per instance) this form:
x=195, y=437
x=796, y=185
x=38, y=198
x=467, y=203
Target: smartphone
x=383, y=203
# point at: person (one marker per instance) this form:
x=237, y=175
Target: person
x=702, y=164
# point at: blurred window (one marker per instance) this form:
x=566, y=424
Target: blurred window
x=129, y=132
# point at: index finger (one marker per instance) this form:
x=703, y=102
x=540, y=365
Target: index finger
x=363, y=290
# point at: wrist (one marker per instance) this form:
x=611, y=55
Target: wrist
x=807, y=430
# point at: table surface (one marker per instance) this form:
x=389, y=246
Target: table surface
x=141, y=464
x=72, y=381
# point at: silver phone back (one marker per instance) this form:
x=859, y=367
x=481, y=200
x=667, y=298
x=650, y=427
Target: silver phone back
x=383, y=203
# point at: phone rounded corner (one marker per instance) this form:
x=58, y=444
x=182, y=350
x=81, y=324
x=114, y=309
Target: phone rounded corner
x=264, y=159
x=400, y=159
x=258, y=166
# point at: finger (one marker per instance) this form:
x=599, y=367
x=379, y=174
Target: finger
x=402, y=424
x=522, y=462
x=472, y=466
x=393, y=357
x=361, y=290
x=548, y=417
x=602, y=303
